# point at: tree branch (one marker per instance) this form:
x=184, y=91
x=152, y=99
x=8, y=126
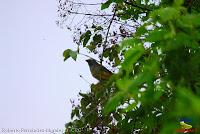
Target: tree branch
x=89, y=14
x=109, y=26
x=87, y=4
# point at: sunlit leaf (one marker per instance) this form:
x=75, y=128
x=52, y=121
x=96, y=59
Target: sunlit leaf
x=113, y=102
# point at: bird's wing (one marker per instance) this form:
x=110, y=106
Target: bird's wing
x=106, y=70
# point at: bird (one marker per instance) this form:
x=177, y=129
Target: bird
x=98, y=71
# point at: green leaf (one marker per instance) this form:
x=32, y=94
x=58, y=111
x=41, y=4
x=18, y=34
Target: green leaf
x=117, y=116
x=106, y=52
x=131, y=57
x=118, y=1
x=187, y=102
x=73, y=54
x=97, y=39
x=84, y=103
x=83, y=95
x=131, y=107
x=86, y=38
x=75, y=112
x=91, y=47
x=123, y=84
x=125, y=16
x=117, y=61
x=196, y=20
x=166, y=14
x=114, y=102
x=158, y=35
x=141, y=30
x=130, y=42
x=66, y=54
x=82, y=37
x=106, y=4
x=98, y=28
x=178, y=2
x=170, y=127
x=69, y=53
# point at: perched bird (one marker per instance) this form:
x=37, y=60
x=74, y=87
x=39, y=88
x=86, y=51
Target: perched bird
x=98, y=71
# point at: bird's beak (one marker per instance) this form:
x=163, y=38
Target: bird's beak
x=87, y=60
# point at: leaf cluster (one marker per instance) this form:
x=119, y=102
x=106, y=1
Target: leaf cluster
x=158, y=77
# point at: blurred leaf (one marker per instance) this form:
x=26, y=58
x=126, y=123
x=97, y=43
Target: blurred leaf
x=123, y=84
x=169, y=127
x=117, y=1
x=131, y=57
x=166, y=14
x=178, y=2
x=141, y=30
x=117, y=116
x=131, y=107
x=113, y=102
x=187, y=103
x=157, y=35
x=130, y=42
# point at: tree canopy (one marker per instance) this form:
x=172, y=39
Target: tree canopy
x=153, y=49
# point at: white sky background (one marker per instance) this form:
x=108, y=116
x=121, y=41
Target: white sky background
x=35, y=83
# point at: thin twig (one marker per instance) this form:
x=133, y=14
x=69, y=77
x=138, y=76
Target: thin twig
x=109, y=26
x=121, y=35
x=87, y=4
x=89, y=14
x=126, y=24
x=80, y=22
x=84, y=79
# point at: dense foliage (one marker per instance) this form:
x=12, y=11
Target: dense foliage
x=154, y=48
